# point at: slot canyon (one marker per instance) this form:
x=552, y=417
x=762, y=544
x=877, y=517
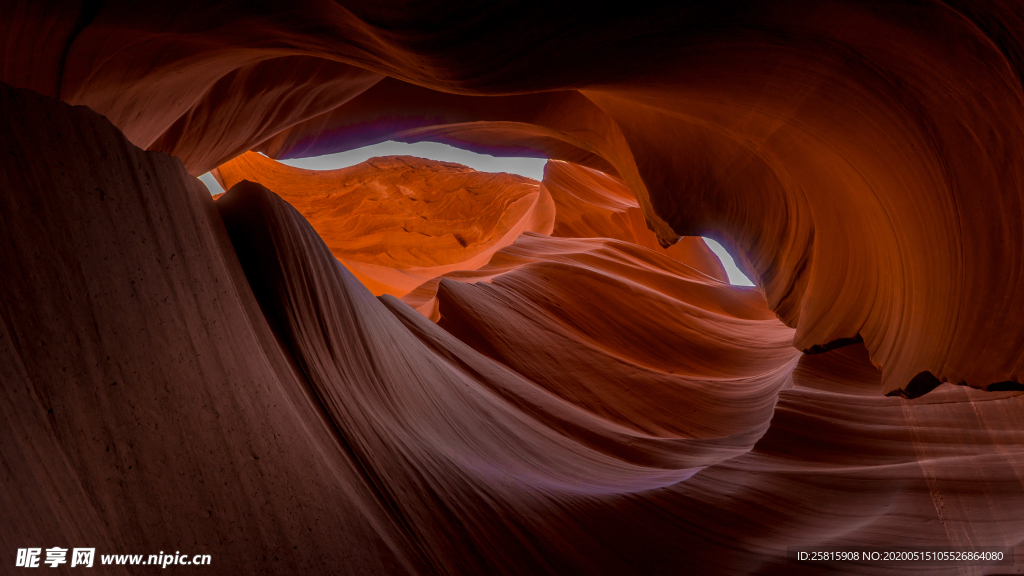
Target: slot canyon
x=406, y=365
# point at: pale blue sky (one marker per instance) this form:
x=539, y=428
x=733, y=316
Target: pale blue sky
x=736, y=278
x=529, y=167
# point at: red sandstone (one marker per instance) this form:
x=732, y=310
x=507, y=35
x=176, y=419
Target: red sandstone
x=567, y=384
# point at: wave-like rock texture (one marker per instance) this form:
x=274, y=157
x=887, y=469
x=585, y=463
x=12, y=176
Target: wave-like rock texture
x=866, y=172
x=181, y=374
x=586, y=204
x=689, y=357
x=450, y=438
x=146, y=403
x=396, y=222
x=592, y=204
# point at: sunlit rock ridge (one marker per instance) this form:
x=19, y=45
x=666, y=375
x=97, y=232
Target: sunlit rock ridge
x=407, y=366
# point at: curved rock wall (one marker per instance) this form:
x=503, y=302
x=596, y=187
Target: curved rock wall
x=593, y=397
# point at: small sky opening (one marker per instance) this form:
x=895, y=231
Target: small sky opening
x=528, y=167
x=736, y=278
x=212, y=184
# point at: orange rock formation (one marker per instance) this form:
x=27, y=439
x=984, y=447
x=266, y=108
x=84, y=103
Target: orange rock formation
x=397, y=222
x=187, y=374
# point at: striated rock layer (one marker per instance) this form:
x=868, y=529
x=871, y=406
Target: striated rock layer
x=592, y=204
x=146, y=404
x=865, y=170
x=185, y=375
